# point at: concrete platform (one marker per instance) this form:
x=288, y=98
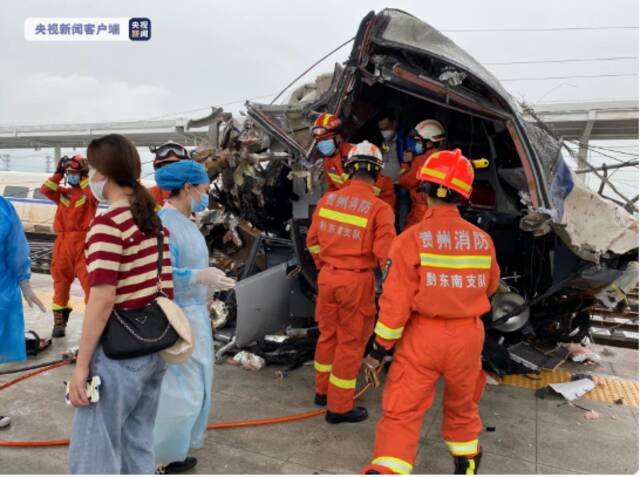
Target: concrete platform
x=531, y=435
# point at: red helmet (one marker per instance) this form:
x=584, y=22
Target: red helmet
x=75, y=164
x=326, y=124
x=449, y=169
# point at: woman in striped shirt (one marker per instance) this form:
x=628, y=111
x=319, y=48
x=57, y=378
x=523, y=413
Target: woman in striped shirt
x=115, y=435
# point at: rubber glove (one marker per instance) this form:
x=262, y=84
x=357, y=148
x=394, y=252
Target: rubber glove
x=30, y=296
x=214, y=278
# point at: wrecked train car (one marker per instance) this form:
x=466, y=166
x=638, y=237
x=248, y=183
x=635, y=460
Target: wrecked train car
x=561, y=248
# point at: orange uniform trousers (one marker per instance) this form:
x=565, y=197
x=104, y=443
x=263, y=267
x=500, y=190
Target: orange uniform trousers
x=430, y=349
x=345, y=312
x=68, y=263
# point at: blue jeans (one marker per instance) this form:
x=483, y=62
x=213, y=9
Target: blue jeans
x=115, y=435
x=403, y=206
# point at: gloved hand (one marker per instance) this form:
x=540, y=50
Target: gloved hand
x=30, y=296
x=215, y=278
x=371, y=369
x=372, y=365
x=60, y=166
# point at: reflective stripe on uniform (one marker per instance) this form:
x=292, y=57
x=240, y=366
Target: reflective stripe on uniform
x=81, y=201
x=51, y=185
x=350, y=219
x=482, y=262
x=376, y=190
x=55, y=307
x=314, y=249
x=342, y=383
x=84, y=183
x=383, y=331
x=463, y=448
x=322, y=368
x=345, y=176
x=398, y=466
x=64, y=201
x=335, y=177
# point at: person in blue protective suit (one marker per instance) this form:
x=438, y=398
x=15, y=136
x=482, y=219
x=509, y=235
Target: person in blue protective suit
x=185, y=398
x=15, y=275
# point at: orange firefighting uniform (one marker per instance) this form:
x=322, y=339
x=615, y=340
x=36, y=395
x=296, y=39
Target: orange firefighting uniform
x=438, y=282
x=408, y=180
x=334, y=175
x=76, y=209
x=159, y=195
x=383, y=189
x=350, y=230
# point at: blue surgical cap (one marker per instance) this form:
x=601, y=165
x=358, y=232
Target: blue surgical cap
x=174, y=176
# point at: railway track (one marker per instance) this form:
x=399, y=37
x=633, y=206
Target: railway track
x=40, y=251
x=617, y=327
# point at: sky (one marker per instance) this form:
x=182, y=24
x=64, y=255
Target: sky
x=208, y=52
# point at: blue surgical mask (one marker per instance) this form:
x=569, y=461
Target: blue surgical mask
x=73, y=179
x=327, y=147
x=418, y=148
x=97, y=187
x=202, y=204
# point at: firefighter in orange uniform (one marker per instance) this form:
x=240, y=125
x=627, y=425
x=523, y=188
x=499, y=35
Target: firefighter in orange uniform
x=165, y=154
x=428, y=136
x=438, y=280
x=332, y=149
x=383, y=189
x=350, y=234
x=76, y=209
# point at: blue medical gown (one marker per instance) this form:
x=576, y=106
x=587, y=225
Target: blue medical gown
x=15, y=266
x=185, y=398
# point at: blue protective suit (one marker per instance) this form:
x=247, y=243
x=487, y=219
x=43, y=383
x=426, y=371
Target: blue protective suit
x=15, y=266
x=185, y=397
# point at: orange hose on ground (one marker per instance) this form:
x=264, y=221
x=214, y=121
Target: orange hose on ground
x=32, y=374
x=220, y=425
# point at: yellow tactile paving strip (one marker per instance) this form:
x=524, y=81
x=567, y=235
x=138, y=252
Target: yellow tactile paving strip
x=608, y=388
x=46, y=297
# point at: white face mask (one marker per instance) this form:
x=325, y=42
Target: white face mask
x=97, y=187
x=388, y=134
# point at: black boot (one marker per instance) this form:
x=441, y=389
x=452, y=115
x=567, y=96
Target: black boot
x=178, y=467
x=467, y=465
x=320, y=400
x=60, y=320
x=357, y=414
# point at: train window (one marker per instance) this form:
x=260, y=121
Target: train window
x=39, y=195
x=17, y=192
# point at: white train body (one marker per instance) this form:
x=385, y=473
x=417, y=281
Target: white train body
x=36, y=212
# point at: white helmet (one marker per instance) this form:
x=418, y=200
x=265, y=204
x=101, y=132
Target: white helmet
x=430, y=130
x=365, y=152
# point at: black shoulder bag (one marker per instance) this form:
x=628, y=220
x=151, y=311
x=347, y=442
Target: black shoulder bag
x=140, y=331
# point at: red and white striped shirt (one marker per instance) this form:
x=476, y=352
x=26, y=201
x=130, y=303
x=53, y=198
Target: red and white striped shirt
x=119, y=254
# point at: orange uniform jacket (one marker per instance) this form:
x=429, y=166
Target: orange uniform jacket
x=76, y=205
x=409, y=180
x=383, y=189
x=159, y=195
x=334, y=174
x=443, y=267
x=351, y=228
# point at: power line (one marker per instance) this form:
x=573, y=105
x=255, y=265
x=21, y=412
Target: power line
x=566, y=60
x=620, y=75
x=517, y=30
x=624, y=153
x=342, y=45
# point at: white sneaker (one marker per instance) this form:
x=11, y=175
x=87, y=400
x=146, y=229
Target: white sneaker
x=5, y=421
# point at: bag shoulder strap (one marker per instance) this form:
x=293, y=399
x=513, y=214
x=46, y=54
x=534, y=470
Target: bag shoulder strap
x=160, y=239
